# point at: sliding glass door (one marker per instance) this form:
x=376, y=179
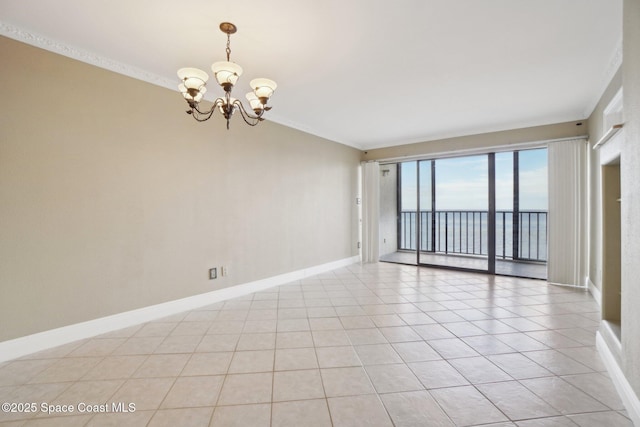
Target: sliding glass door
x=454, y=207
x=521, y=214
x=483, y=213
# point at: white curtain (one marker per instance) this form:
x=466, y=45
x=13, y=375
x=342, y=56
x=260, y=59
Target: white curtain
x=567, y=222
x=370, y=211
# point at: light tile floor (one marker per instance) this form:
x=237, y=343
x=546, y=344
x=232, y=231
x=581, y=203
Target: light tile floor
x=373, y=345
x=536, y=270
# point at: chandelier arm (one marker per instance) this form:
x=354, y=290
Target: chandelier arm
x=250, y=119
x=197, y=115
x=246, y=113
x=216, y=103
x=202, y=113
x=201, y=120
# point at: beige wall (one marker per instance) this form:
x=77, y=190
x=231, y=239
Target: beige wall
x=596, y=130
x=630, y=183
x=481, y=141
x=112, y=198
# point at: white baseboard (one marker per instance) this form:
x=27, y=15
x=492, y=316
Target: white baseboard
x=584, y=285
x=43, y=340
x=629, y=398
x=567, y=285
x=595, y=292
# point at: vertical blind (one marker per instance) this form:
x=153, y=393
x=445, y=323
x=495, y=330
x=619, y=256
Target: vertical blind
x=567, y=212
x=370, y=211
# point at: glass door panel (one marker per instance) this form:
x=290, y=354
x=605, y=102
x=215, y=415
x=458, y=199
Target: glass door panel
x=388, y=214
x=408, y=206
x=504, y=212
x=426, y=226
x=532, y=212
x=521, y=213
x=457, y=193
x=399, y=213
x=533, y=204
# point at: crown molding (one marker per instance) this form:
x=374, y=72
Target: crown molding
x=276, y=118
x=55, y=46
x=38, y=40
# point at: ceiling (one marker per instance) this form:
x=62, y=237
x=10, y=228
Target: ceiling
x=366, y=73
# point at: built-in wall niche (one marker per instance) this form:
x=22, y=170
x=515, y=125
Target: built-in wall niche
x=611, y=246
x=609, y=147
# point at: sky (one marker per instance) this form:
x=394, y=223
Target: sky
x=462, y=183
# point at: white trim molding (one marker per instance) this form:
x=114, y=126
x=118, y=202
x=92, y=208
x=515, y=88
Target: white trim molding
x=73, y=52
x=629, y=398
x=567, y=285
x=508, y=146
x=595, y=292
x=22, y=346
x=61, y=48
x=608, y=135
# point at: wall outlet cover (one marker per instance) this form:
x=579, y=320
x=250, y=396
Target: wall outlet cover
x=213, y=273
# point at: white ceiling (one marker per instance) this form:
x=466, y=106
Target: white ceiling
x=367, y=73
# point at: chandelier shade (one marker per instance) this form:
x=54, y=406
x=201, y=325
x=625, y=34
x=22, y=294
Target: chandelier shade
x=263, y=88
x=226, y=73
x=254, y=101
x=187, y=73
x=192, y=94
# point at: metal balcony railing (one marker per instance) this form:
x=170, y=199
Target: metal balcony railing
x=518, y=237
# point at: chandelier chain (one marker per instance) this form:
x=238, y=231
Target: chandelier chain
x=228, y=47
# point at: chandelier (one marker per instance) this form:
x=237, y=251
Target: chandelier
x=194, y=81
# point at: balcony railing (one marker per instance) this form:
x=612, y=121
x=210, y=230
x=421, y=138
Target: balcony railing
x=518, y=237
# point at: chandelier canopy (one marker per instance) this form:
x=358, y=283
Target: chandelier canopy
x=194, y=81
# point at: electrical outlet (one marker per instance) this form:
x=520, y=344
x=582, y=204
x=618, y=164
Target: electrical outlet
x=213, y=273
x=223, y=271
